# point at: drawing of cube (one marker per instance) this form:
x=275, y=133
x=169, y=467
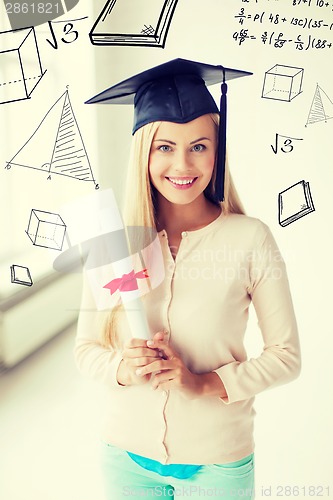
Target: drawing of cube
x=46, y=229
x=282, y=83
x=21, y=68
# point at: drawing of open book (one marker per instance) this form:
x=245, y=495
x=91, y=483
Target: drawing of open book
x=20, y=275
x=294, y=203
x=133, y=22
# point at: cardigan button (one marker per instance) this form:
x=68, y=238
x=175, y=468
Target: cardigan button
x=184, y=234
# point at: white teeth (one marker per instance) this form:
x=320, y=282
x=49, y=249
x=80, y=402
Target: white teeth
x=180, y=182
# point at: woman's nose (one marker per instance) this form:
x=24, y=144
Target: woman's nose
x=182, y=162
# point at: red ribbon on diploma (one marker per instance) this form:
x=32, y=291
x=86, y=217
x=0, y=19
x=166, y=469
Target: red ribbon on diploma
x=127, y=282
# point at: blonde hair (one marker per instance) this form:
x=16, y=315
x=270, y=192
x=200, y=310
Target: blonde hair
x=140, y=206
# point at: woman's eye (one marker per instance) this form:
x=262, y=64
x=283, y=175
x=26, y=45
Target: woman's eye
x=164, y=148
x=197, y=148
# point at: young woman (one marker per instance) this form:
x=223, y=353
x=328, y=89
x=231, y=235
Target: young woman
x=180, y=406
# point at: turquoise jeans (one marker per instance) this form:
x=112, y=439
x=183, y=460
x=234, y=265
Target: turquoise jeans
x=124, y=478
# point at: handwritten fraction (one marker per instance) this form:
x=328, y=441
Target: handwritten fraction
x=278, y=29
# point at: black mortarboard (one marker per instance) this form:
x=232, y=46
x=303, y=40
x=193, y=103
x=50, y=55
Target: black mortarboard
x=176, y=91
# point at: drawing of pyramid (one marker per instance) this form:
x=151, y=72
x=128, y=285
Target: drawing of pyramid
x=321, y=107
x=56, y=146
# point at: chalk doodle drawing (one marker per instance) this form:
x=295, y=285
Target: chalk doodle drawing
x=70, y=34
x=19, y=57
x=133, y=22
x=20, y=275
x=56, y=146
x=284, y=143
x=321, y=108
x=294, y=203
x=46, y=229
x=282, y=83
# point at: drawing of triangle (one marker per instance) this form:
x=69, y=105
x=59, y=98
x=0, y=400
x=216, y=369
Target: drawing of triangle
x=321, y=107
x=37, y=151
x=69, y=156
x=327, y=104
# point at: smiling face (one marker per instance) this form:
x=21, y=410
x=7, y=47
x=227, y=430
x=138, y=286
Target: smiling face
x=182, y=158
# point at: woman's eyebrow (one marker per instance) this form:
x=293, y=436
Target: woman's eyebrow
x=174, y=144
x=200, y=139
x=165, y=140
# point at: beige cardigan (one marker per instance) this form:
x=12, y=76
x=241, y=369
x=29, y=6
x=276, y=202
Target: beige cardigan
x=203, y=302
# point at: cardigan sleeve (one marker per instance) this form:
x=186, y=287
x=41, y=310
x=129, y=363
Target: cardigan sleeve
x=92, y=359
x=269, y=290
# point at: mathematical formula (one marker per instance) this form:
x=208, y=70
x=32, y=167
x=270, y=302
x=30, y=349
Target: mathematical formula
x=262, y=17
x=296, y=25
x=283, y=143
x=295, y=3
x=279, y=40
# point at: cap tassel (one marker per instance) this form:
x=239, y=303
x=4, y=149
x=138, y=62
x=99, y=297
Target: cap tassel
x=222, y=142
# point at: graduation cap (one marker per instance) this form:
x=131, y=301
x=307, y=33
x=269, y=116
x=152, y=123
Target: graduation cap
x=177, y=92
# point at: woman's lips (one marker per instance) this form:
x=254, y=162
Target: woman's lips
x=182, y=182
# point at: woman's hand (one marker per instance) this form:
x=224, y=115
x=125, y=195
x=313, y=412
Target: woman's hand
x=135, y=354
x=172, y=373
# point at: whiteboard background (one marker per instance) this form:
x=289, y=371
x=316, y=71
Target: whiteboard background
x=293, y=431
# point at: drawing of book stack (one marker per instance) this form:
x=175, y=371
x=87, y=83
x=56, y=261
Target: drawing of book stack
x=294, y=203
x=133, y=22
x=56, y=146
x=20, y=275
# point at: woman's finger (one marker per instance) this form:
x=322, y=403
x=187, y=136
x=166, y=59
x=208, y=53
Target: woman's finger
x=162, y=346
x=134, y=342
x=159, y=336
x=140, y=362
x=163, y=376
x=155, y=366
x=140, y=352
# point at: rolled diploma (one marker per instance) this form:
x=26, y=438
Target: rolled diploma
x=132, y=303
x=101, y=216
